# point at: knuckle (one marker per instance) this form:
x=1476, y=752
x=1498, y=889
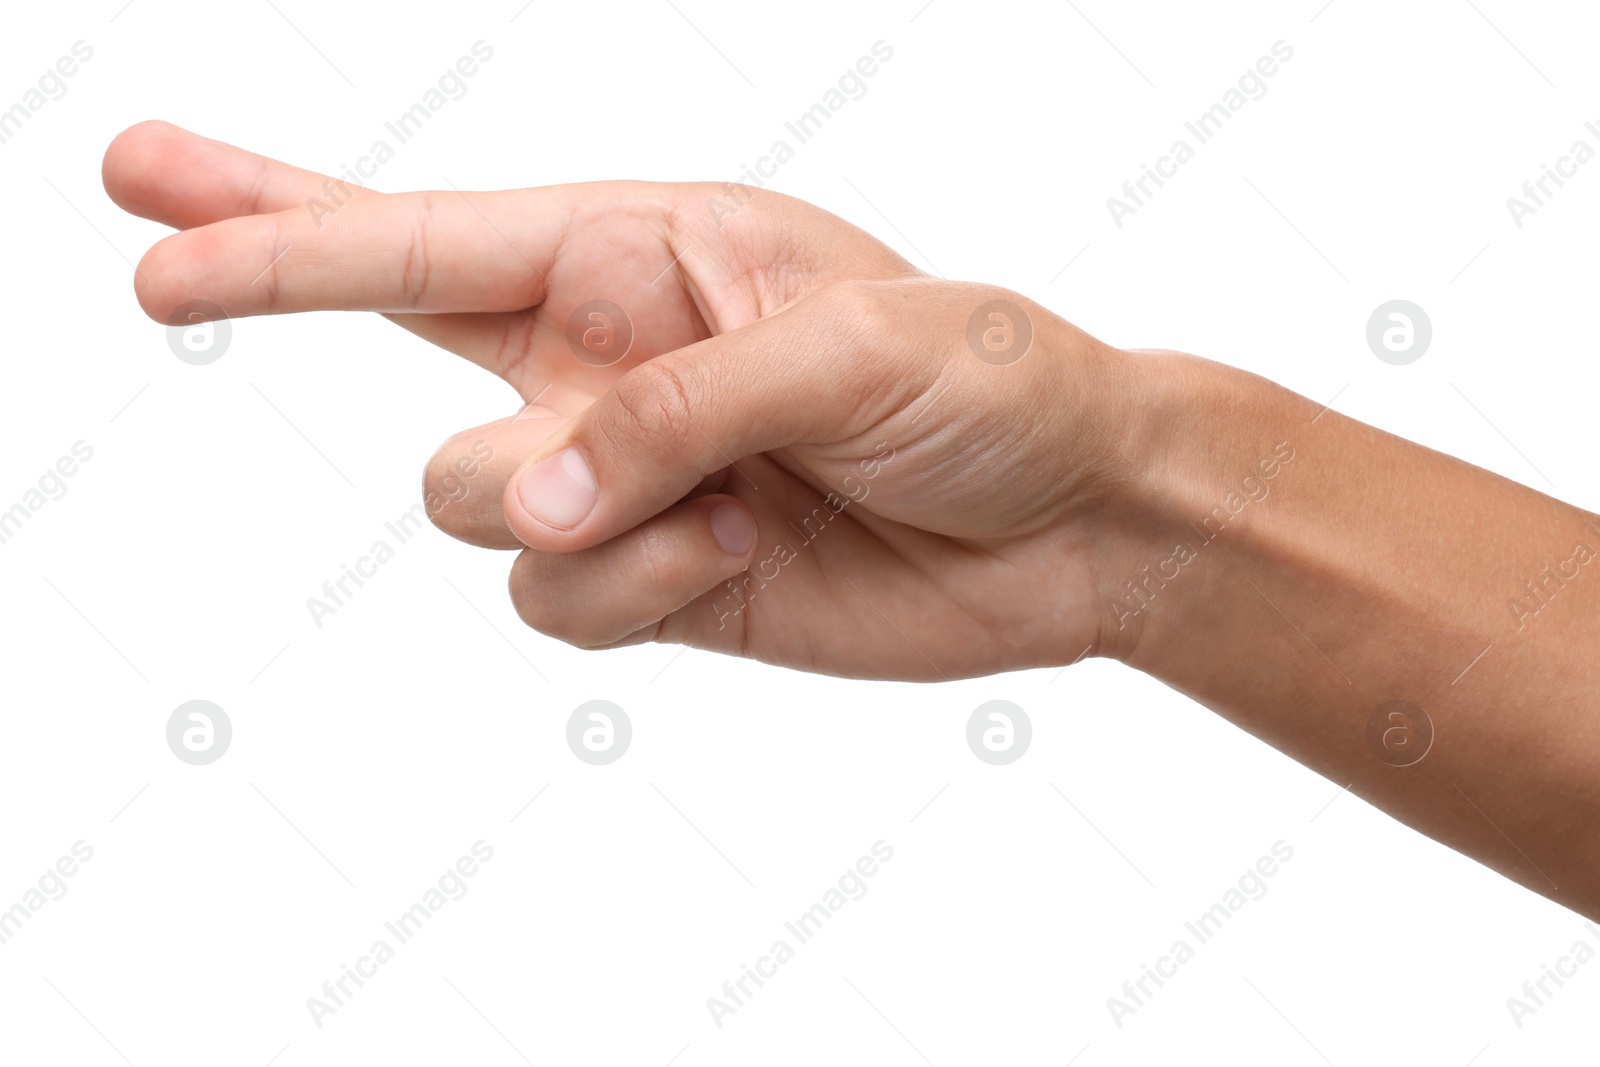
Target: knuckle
x=270, y=284
x=417, y=270
x=659, y=558
x=656, y=403
x=861, y=310
x=512, y=349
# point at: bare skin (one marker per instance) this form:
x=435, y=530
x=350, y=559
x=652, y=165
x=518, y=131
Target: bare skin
x=814, y=455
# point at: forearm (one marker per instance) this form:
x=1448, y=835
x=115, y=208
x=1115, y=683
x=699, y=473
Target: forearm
x=1364, y=570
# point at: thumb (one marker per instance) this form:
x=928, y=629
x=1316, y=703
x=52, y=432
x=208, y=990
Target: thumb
x=683, y=415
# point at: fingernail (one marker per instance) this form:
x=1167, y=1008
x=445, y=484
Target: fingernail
x=559, y=491
x=734, y=528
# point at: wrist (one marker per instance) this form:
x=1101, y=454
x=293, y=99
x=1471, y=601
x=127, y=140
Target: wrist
x=1199, y=449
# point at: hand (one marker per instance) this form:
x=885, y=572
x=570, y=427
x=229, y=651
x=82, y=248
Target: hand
x=818, y=457
x=802, y=457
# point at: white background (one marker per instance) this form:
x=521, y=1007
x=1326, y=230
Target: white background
x=370, y=754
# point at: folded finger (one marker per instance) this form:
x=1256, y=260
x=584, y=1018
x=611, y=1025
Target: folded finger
x=464, y=481
x=603, y=595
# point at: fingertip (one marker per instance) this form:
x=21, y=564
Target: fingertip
x=129, y=170
x=522, y=590
x=734, y=527
x=145, y=286
x=151, y=281
x=177, y=279
x=627, y=584
x=439, y=470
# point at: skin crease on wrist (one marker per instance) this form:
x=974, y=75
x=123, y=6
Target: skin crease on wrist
x=802, y=460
